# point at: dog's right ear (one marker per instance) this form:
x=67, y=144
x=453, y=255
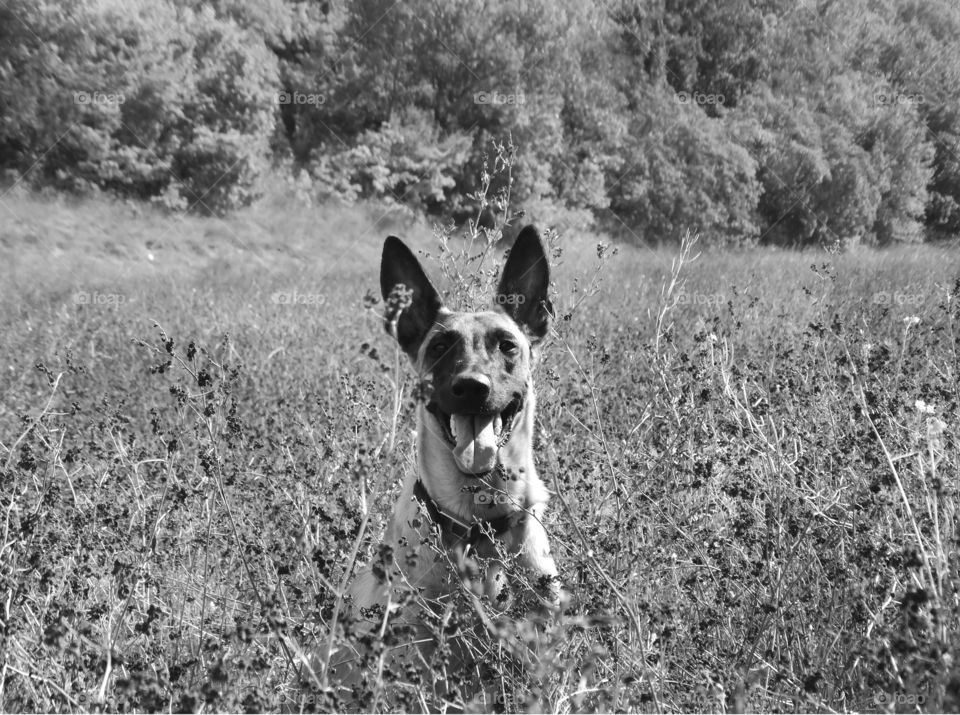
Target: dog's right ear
x=412, y=319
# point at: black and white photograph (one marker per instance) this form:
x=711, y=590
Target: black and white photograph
x=479, y=356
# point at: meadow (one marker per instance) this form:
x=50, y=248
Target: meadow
x=753, y=456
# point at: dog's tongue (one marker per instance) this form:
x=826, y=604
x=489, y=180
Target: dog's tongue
x=476, y=449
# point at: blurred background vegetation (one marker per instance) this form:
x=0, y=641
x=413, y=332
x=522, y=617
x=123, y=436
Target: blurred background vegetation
x=751, y=121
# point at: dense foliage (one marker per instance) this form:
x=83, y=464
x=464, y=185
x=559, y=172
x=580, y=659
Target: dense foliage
x=772, y=121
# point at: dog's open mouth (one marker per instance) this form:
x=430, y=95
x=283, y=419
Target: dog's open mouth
x=475, y=440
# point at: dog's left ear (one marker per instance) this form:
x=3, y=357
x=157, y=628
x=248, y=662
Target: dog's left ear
x=523, y=286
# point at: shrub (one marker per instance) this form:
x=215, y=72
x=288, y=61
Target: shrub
x=917, y=53
x=407, y=160
x=841, y=167
x=684, y=171
x=146, y=101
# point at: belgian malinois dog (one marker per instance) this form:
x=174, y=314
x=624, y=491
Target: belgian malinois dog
x=475, y=491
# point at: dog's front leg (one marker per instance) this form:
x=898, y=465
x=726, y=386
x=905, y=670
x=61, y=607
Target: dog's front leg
x=536, y=556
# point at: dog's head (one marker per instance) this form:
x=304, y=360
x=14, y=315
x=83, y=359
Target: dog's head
x=479, y=364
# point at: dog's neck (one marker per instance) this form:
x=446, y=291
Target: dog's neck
x=454, y=531
x=513, y=486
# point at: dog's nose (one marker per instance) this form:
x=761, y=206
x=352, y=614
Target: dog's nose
x=473, y=387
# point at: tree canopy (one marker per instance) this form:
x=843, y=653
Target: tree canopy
x=770, y=121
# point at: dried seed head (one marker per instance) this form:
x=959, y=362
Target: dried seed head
x=399, y=300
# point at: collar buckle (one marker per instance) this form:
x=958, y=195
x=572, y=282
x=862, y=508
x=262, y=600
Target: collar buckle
x=469, y=533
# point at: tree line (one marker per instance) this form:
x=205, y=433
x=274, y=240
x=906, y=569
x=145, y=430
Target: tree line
x=749, y=121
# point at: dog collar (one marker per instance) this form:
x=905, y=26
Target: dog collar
x=472, y=533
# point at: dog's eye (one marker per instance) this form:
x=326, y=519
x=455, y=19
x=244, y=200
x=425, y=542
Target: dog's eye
x=508, y=347
x=439, y=348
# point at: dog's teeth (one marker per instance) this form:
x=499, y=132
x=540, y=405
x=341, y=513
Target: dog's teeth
x=453, y=428
x=498, y=425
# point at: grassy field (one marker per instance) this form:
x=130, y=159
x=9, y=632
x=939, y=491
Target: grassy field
x=754, y=461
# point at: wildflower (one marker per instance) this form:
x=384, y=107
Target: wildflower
x=910, y=321
x=399, y=299
x=935, y=428
x=923, y=407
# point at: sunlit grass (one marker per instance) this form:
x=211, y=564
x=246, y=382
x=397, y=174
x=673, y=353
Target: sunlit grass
x=730, y=526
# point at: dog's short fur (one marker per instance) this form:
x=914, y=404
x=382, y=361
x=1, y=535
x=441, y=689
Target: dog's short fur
x=476, y=480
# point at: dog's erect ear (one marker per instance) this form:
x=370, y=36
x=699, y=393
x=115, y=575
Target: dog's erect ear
x=400, y=266
x=523, y=286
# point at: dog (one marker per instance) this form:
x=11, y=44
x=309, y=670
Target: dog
x=475, y=491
